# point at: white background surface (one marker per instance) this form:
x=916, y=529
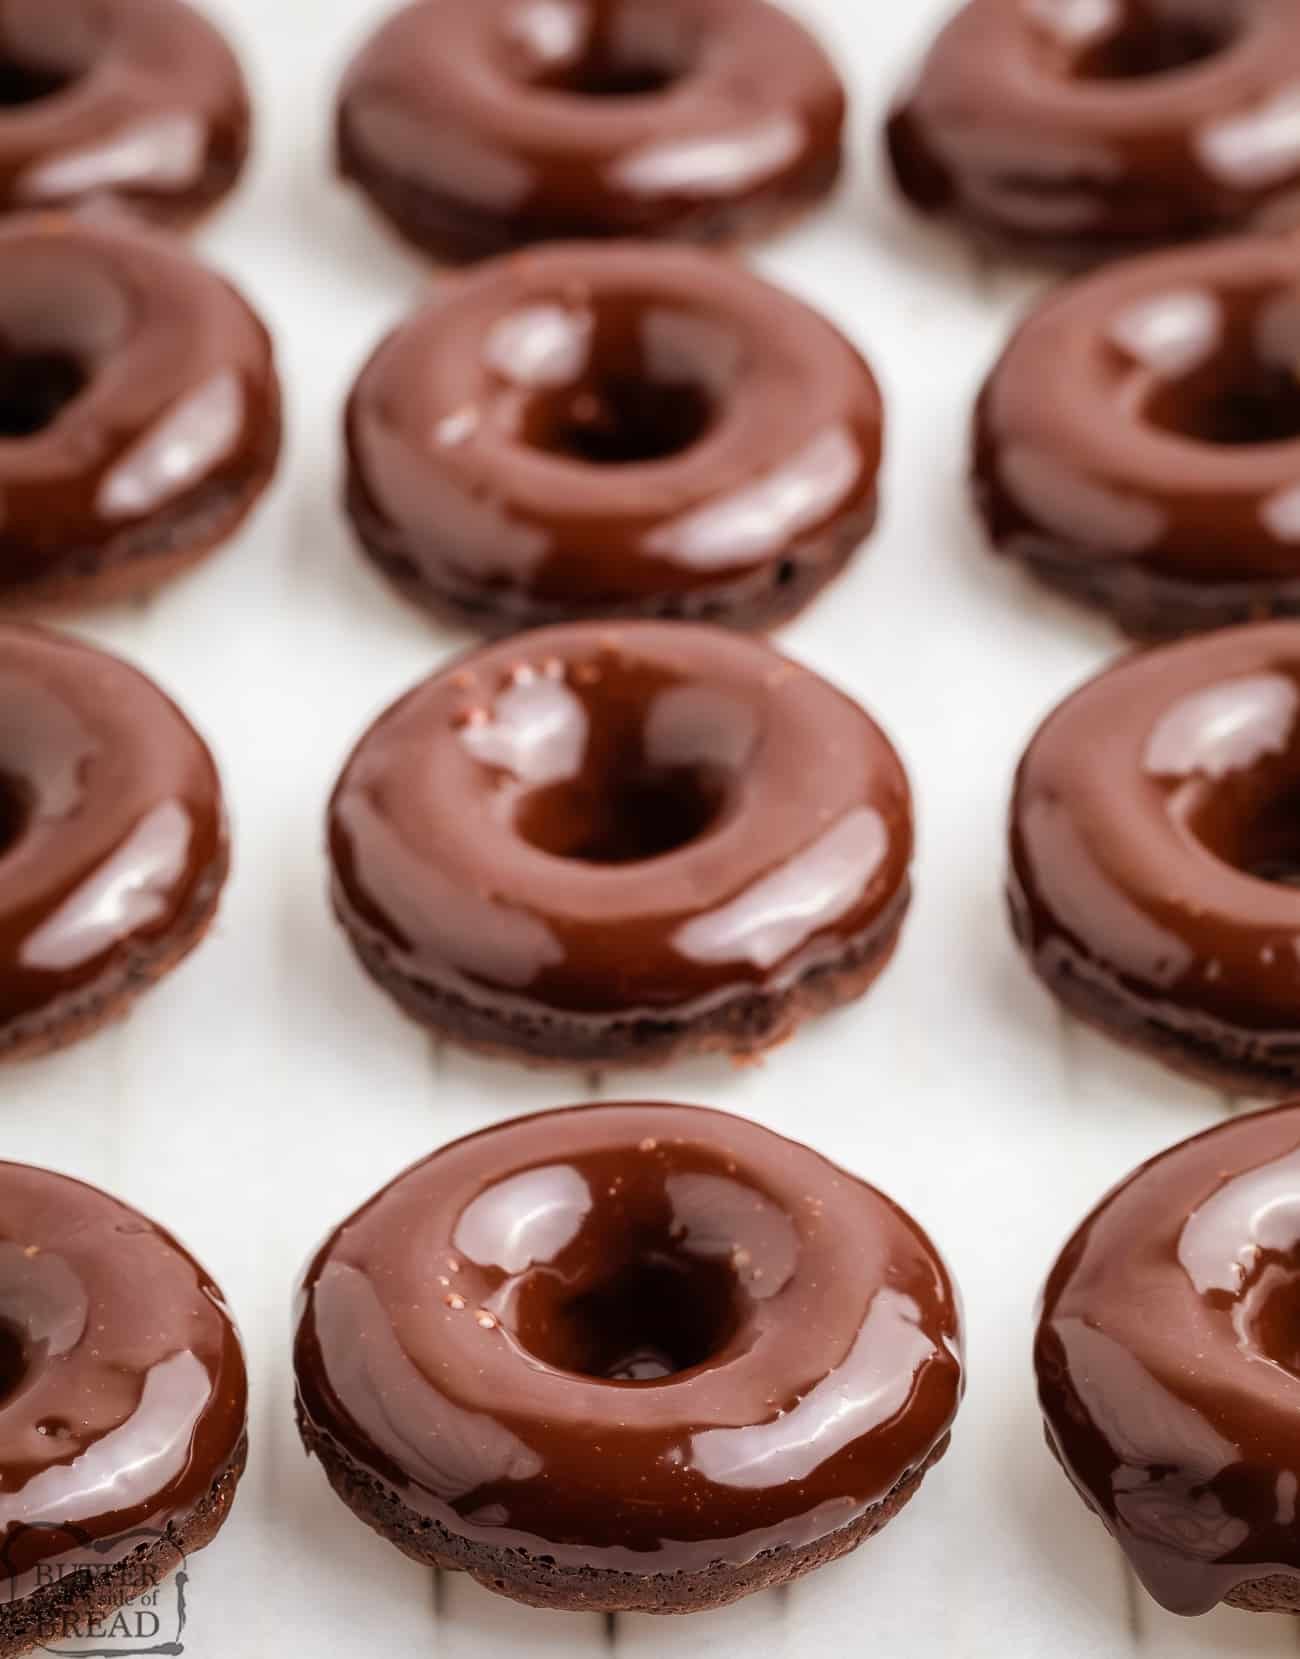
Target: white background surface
x=267, y=1088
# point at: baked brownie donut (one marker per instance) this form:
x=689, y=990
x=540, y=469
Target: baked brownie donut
x=1138, y=445
x=122, y=1408
x=622, y=844
x=474, y=129
x=140, y=103
x=627, y=1357
x=1081, y=131
x=1169, y=1369
x=113, y=847
x=599, y=430
x=1155, y=855
x=139, y=411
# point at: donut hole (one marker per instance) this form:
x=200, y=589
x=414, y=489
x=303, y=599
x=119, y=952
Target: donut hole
x=13, y=1359
x=634, y=813
x=1249, y=816
x=658, y=1313
x=622, y=377
x=606, y=50
x=1242, y=384
x=1154, y=40
x=621, y=419
x=13, y=812
x=27, y=83
x=35, y=386
x=1234, y=405
x=609, y=759
x=1267, y=843
x=47, y=46
x=1270, y=1311
x=606, y=74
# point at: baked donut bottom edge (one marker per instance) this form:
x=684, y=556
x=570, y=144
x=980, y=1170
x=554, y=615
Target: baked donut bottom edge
x=135, y=969
x=763, y=597
x=1258, y=1065
x=540, y=1583
x=154, y=551
x=1149, y=607
x=79, y=1597
x=742, y=1024
x=448, y=231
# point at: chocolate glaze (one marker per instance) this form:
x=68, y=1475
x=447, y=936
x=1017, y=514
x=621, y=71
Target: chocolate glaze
x=547, y=1319
x=1155, y=857
x=479, y=128
x=589, y=430
x=112, y=830
x=123, y=1396
x=1168, y=1367
x=1139, y=441
x=1081, y=132
x=138, y=404
x=137, y=102
x=609, y=822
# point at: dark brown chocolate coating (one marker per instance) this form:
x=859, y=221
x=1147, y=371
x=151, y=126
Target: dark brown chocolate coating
x=123, y=1398
x=139, y=409
x=1169, y=1367
x=629, y=1339
x=479, y=128
x=1138, y=444
x=113, y=843
x=1155, y=854
x=1079, y=132
x=593, y=841
x=595, y=431
x=140, y=103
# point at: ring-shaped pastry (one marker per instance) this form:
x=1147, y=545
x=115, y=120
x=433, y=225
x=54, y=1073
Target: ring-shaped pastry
x=1078, y=132
x=1169, y=1369
x=113, y=842
x=601, y=843
x=594, y=431
x=123, y=1407
x=140, y=104
x=1155, y=855
x=478, y=128
x=1138, y=444
x=658, y=1301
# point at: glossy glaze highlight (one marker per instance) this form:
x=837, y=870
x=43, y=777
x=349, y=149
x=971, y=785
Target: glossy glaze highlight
x=1085, y=131
x=594, y=829
x=1138, y=444
x=1169, y=1369
x=475, y=129
x=551, y=1315
x=113, y=844
x=591, y=431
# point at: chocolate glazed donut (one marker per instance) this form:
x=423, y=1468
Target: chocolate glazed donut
x=593, y=431
x=1169, y=1369
x=1138, y=444
x=478, y=128
x=139, y=411
x=627, y=1357
x=1155, y=855
x=123, y=1406
x=1078, y=132
x=602, y=843
x=136, y=102
x=113, y=846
